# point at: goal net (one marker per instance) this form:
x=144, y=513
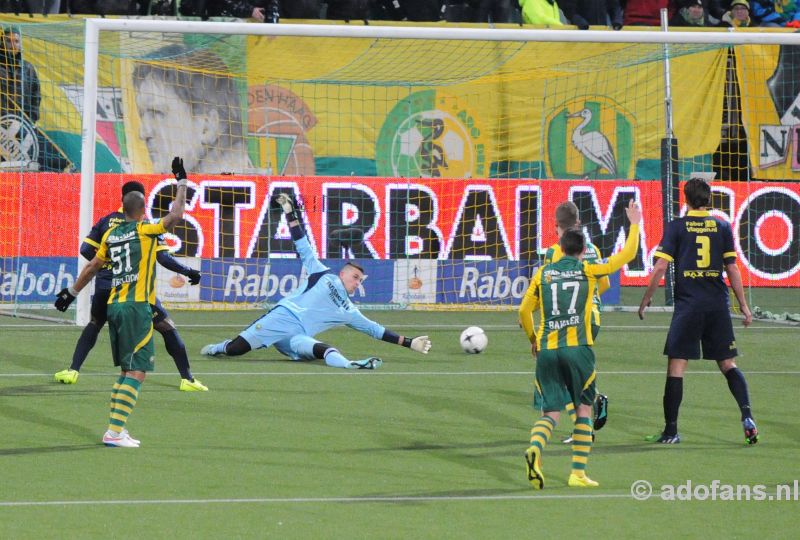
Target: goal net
x=434, y=156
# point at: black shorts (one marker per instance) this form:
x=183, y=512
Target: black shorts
x=159, y=313
x=691, y=329
x=100, y=301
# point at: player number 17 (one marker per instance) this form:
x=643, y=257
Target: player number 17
x=565, y=285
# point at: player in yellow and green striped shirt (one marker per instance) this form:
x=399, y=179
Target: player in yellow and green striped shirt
x=131, y=248
x=563, y=294
x=566, y=218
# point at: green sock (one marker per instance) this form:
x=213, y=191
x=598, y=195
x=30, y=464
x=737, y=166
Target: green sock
x=123, y=400
x=581, y=445
x=541, y=432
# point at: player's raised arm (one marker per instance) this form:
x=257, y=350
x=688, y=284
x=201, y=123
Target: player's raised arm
x=310, y=262
x=179, y=204
x=628, y=251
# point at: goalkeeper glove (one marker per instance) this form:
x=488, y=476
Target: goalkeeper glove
x=194, y=277
x=179, y=171
x=65, y=298
x=421, y=344
x=287, y=204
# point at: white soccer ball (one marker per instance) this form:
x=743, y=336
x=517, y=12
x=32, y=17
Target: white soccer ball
x=474, y=340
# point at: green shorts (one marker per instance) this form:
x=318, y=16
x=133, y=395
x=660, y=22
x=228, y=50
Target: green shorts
x=570, y=367
x=130, y=326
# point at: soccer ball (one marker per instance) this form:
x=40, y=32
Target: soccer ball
x=474, y=340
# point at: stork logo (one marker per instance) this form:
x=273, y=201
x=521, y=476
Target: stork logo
x=431, y=135
x=590, y=139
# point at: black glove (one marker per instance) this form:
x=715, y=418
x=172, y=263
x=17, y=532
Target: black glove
x=64, y=299
x=194, y=277
x=177, y=168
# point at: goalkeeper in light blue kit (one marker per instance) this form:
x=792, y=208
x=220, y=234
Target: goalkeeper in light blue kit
x=321, y=302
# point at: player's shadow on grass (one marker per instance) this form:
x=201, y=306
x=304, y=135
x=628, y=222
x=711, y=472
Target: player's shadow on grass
x=48, y=449
x=40, y=390
x=53, y=423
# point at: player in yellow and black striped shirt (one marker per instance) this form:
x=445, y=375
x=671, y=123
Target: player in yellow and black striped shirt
x=131, y=248
x=563, y=294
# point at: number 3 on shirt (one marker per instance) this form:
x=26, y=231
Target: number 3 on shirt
x=703, y=251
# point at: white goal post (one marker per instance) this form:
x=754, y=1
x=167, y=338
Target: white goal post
x=94, y=29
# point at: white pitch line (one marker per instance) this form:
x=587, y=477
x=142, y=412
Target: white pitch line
x=436, y=326
x=346, y=373
x=306, y=500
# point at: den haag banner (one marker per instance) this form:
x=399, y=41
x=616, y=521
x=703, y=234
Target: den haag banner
x=771, y=108
x=372, y=108
x=489, y=222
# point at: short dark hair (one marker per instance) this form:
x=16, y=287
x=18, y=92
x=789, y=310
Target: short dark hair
x=573, y=242
x=133, y=203
x=567, y=215
x=354, y=265
x=697, y=192
x=133, y=185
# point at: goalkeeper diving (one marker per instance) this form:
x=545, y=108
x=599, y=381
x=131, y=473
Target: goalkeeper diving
x=322, y=301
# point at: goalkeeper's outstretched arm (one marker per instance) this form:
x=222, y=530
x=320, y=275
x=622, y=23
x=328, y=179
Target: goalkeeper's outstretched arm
x=420, y=344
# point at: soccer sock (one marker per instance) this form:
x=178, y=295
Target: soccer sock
x=738, y=387
x=123, y=400
x=570, y=408
x=177, y=350
x=114, y=390
x=334, y=358
x=541, y=432
x=673, y=395
x=85, y=344
x=581, y=445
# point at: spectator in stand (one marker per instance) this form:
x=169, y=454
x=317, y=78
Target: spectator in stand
x=541, y=12
x=716, y=9
x=348, y=10
x=765, y=14
x=692, y=13
x=492, y=11
x=583, y=13
x=647, y=12
x=407, y=10
x=738, y=16
x=222, y=8
x=300, y=9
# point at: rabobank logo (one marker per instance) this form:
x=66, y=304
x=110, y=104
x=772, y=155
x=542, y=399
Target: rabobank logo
x=590, y=138
x=35, y=279
x=270, y=280
x=431, y=135
x=489, y=282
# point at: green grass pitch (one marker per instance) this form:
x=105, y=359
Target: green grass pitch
x=426, y=447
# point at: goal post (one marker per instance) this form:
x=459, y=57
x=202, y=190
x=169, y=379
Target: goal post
x=441, y=152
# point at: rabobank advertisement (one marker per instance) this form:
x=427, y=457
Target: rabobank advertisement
x=256, y=281
x=269, y=280
x=492, y=282
x=35, y=279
